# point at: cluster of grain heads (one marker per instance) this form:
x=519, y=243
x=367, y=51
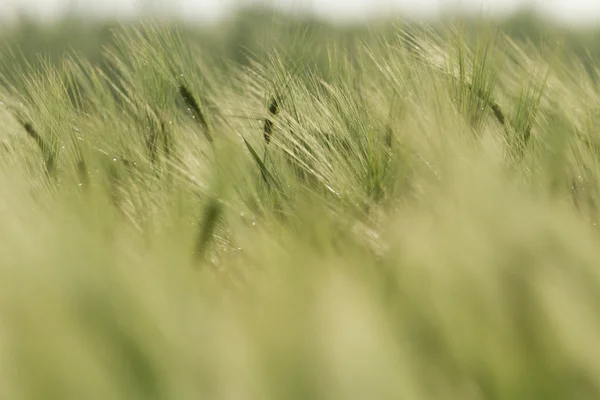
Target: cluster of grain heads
x=478, y=83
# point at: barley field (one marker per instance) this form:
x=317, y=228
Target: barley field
x=403, y=216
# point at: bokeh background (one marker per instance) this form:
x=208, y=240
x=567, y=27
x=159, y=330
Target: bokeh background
x=574, y=12
x=51, y=27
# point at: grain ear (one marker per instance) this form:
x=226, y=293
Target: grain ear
x=273, y=112
x=194, y=107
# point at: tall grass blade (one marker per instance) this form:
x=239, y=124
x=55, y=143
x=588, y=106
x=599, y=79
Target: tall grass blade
x=266, y=175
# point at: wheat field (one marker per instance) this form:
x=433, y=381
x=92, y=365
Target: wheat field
x=414, y=219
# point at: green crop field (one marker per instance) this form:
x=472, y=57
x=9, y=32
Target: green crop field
x=396, y=213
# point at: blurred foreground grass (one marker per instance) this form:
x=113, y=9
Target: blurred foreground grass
x=417, y=220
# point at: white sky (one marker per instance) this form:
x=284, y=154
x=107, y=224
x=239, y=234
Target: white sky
x=572, y=11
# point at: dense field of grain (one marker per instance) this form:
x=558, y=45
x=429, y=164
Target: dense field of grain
x=402, y=216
